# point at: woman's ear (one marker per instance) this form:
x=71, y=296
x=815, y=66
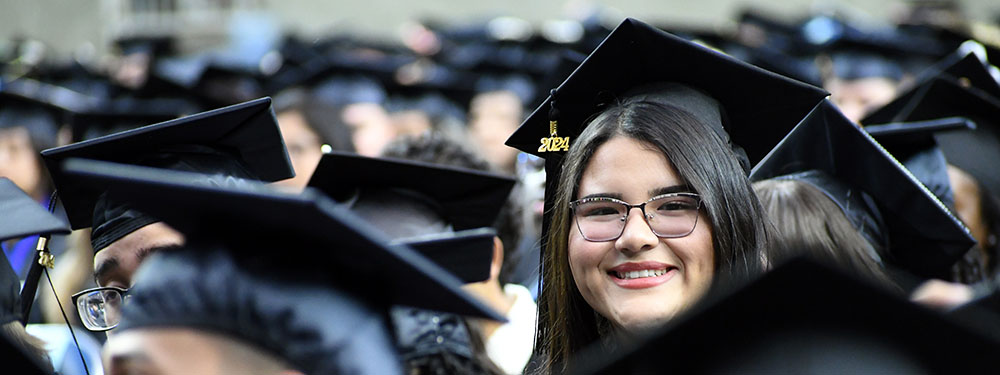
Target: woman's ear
x=497, y=262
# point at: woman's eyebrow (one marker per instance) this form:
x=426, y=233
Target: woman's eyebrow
x=669, y=190
x=603, y=195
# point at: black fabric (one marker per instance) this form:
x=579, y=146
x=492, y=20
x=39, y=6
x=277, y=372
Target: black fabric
x=21, y=216
x=466, y=254
x=923, y=236
x=465, y=198
x=421, y=333
x=10, y=292
x=319, y=329
x=913, y=144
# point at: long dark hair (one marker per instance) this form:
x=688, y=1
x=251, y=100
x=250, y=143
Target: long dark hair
x=566, y=323
x=807, y=222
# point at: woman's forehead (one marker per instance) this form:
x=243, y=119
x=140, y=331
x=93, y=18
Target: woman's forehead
x=629, y=167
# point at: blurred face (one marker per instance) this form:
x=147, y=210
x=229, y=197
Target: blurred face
x=169, y=351
x=639, y=280
x=18, y=160
x=304, y=147
x=371, y=126
x=968, y=206
x=857, y=98
x=493, y=117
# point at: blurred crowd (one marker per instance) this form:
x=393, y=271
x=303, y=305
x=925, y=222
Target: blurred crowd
x=468, y=87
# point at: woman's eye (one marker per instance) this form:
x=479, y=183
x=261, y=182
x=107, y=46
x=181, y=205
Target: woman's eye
x=600, y=211
x=676, y=206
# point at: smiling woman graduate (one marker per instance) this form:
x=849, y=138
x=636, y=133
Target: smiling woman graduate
x=648, y=206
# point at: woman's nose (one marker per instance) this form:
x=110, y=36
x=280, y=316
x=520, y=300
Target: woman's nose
x=637, y=235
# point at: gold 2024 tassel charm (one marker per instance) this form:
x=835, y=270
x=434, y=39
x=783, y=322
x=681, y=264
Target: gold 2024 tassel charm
x=555, y=142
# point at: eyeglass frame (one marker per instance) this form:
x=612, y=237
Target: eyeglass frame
x=121, y=291
x=642, y=208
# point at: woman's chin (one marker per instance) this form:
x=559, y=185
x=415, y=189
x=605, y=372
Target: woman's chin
x=644, y=325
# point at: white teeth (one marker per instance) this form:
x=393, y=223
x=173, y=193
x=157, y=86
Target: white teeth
x=640, y=274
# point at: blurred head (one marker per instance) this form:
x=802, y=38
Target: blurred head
x=493, y=116
x=307, y=127
x=167, y=351
x=979, y=211
x=19, y=161
x=371, y=127
x=24, y=133
x=634, y=151
x=807, y=222
x=857, y=98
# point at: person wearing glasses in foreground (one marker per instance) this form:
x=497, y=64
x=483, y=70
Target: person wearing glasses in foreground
x=649, y=206
x=231, y=144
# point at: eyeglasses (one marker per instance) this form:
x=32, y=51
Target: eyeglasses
x=100, y=308
x=671, y=215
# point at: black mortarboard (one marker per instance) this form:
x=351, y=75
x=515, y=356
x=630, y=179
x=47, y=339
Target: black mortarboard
x=636, y=54
x=944, y=95
x=882, y=199
x=803, y=318
x=466, y=254
x=242, y=140
x=23, y=216
x=254, y=221
x=968, y=69
x=464, y=198
x=912, y=143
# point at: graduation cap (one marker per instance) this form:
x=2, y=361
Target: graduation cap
x=968, y=69
x=22, y=216
x=242, y=140
x=913, y=144
x=466, y=254
x=882, y=199
x=339, y=244
x=36, y=107
x=974, y=151
x=463, y=198
x=636, y=54
x=803, y=318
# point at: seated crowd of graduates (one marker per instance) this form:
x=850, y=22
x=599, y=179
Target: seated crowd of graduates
x=707, y=205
